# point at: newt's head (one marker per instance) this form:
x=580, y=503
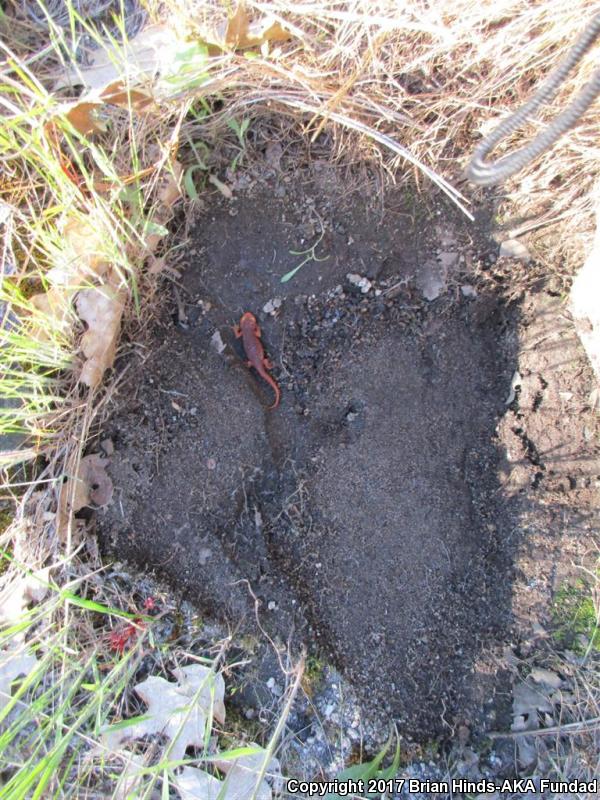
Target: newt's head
x=248, y=319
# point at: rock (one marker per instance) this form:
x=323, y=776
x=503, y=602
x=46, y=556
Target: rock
x=364, y=284
x=513, y=248
x=547, y=677
x=107, y=447
x=448, y=260
x=430, y=280
x=217, y=342
x=468, y=290
x=514, y=385
x=272, y=306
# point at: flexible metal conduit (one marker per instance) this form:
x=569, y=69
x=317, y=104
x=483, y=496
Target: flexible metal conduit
x=488, y=173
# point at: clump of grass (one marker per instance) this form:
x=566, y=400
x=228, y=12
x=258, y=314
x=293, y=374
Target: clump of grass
x=431, y=81
x=57, y=710
x=576, y=618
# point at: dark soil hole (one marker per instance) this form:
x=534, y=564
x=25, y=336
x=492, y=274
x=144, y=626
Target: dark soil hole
x=366, y=513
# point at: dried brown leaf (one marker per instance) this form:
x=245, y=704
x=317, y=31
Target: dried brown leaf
x=86, y=241
x=237, y=32
x=170, y=190
x=55, y=314
x=546, y=677
x=16, y=596
x=130, y=780
x=156, y=265
x=91, y=486
x=118, y=94
x=82, y=116
x=237, y=27
x=267, y=30
x=100, y=486
x=101, y=308
x=141, y=58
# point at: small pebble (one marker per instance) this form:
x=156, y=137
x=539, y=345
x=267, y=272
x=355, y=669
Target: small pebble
x=362, y=283
x=272, y=306
x=513, y=248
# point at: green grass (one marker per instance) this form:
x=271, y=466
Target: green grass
x=574, y=616
x=65, y=180
x=56, y=712
x=80, y=685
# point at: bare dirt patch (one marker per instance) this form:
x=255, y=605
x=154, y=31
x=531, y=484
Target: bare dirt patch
x=377, y=515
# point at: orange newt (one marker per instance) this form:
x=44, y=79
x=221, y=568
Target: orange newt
x=249, y=330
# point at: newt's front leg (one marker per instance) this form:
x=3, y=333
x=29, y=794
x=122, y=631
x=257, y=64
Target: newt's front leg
x=237, y=331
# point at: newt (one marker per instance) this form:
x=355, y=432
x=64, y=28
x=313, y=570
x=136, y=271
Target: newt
x=249, y=331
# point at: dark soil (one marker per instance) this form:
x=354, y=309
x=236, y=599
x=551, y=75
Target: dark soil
x=386, y=514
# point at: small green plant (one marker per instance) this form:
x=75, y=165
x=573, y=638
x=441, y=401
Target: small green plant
x=239, y=128
x=370, y=771
x=575, y=615
x=313, y=674
x=309, y=255
x=200, y=151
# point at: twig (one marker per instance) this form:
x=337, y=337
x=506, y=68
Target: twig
x=576, y=727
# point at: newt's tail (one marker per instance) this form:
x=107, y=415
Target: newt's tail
x=277, y=391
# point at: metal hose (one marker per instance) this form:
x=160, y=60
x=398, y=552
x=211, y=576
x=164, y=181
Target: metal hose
x=488, y=173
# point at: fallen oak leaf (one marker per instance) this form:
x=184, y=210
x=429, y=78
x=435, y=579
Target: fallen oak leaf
x=242, y=776
x=170, y=191
x=196, y=784
x=244, y=772
x=236, y=26
x=547, y=677
x=130, y=779
x=139, y=59
x=52, y=314
x=180, y=711
x=91, y=486
x=116, y=94
x=26, y=589
x=82, y=116
x=101, y=308
x=211, y=686
x=12, y=666
x=238, y=33
x=100, y=486
x=85, y=254
x=267, y=30
x=156, y=62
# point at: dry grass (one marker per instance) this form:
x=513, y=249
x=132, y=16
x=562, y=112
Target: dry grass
x=433, y=78
x=411, y=85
